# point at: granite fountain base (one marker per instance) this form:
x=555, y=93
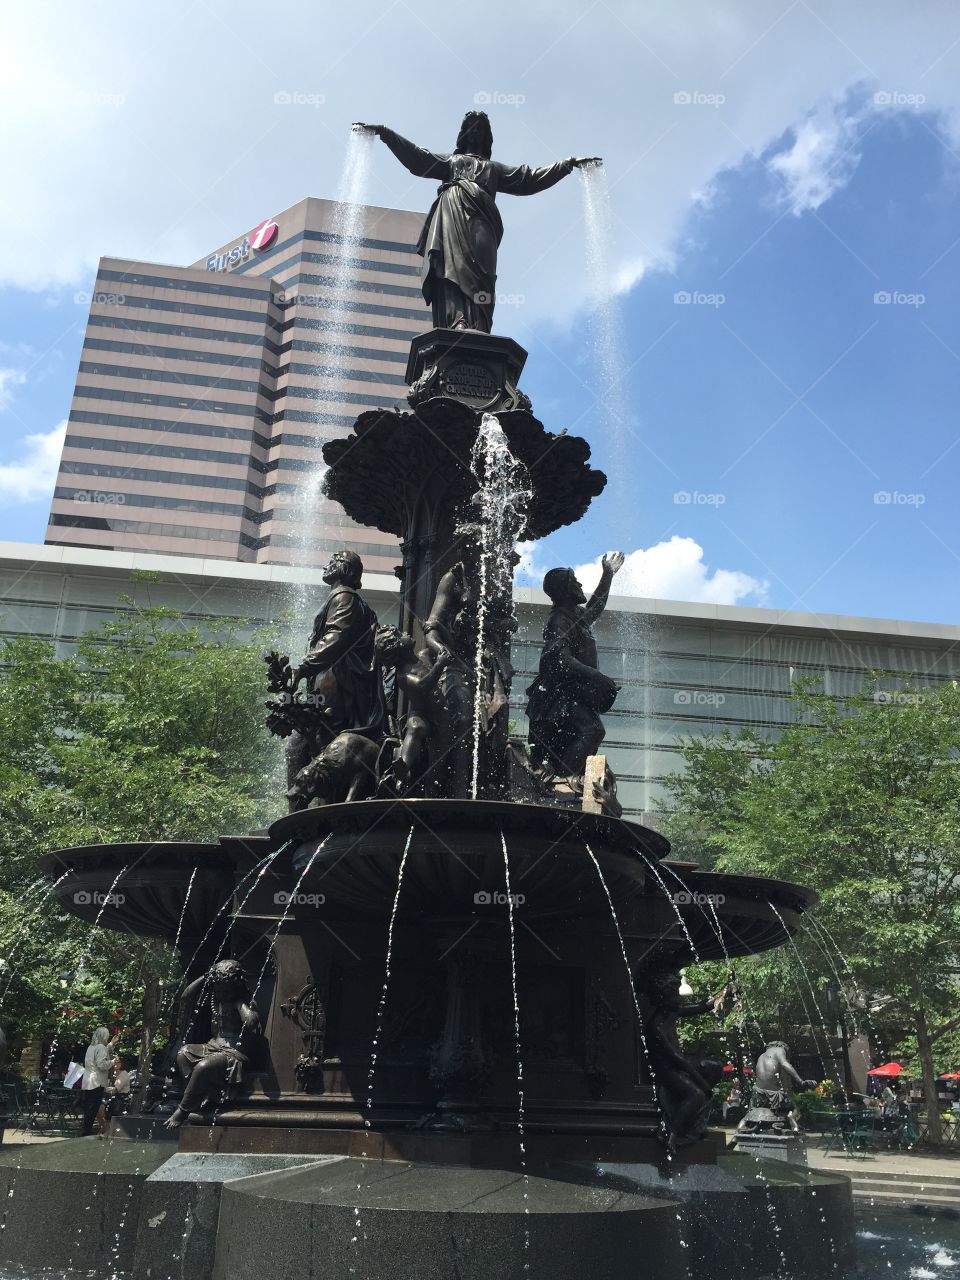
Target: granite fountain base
x=142, y=1211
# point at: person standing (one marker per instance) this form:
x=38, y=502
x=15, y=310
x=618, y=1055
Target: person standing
x=97, y=1063
x=734, y=1099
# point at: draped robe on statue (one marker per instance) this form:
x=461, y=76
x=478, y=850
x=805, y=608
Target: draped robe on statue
x=463, y=229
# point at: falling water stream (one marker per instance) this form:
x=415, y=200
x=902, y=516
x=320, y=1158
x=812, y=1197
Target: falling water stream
x=256, y=872
x=75, y=978
x=822, y=1051
x=183, y=916
x=23, y=932
x=290, y=902
x=331, y=365
x=713, y=920
x=519, y=1050
x=826, y=942
x=378, y=1027
x=606, y=330
x=46, y=1073
x=775, y=1224
x=673, y=903
x=359, y=1235
x=633, y=989
x=501, y=500
x=818, y=942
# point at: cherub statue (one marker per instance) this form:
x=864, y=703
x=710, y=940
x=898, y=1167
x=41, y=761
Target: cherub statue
x=211, y=1069
x=418, y=680
x=684, y=1084
x=771, y=1101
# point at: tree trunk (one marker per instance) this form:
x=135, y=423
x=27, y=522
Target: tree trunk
x=149, y=1014
x=925, y=1054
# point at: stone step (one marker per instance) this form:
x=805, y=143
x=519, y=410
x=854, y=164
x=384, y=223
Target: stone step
x=931, y=1179
x=905, y=1194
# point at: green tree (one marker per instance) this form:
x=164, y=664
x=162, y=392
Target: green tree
x=150, y=729
x=859, y=799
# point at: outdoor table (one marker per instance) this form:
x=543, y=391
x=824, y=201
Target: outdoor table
x=851, y=1131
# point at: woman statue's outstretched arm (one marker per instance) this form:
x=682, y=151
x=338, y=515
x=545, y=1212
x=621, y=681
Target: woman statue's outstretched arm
x=421, y=162
x=522, y=180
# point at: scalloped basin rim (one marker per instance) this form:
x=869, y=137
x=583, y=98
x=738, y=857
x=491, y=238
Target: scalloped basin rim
x=487, y=813
x=743, y=880
x=133, y=847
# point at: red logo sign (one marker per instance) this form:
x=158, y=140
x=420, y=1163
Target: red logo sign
x=264, y=234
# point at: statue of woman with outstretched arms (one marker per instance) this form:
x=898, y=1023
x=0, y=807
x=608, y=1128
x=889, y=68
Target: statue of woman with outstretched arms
x=463, y=229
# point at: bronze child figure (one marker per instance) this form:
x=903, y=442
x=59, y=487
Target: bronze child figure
x=419, y=682
x=211, y=1069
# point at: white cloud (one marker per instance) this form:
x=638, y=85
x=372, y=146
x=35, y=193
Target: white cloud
x=529, y=571
x=32, y=475
x=821, y=159
x=129, y=160
x=675, y=570
x=9, y=378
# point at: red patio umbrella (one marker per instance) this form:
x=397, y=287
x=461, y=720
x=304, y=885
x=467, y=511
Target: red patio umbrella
x=950, y=1075
x=888, y=1069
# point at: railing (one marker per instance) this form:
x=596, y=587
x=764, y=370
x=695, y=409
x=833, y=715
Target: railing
x=860, y=1132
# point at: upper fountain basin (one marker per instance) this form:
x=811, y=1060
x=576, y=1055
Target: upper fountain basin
x=391, y=456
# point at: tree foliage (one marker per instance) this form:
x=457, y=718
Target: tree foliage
x=859, y=799
x=149, y=729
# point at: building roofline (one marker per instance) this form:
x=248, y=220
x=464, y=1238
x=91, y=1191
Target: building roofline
x=28, y=555
x=108, y=258
x=784, y=621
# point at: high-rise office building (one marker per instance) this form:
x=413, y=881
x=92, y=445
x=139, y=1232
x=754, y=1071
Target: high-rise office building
x=205, y=392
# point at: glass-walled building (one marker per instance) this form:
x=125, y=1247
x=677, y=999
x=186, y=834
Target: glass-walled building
x=697, y=669
x=685, y=669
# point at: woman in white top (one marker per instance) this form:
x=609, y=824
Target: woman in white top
x=96, y=1076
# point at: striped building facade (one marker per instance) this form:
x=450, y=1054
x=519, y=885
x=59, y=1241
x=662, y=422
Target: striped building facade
x=204, y=393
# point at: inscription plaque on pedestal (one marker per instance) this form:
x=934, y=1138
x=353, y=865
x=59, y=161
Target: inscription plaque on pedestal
x=477, y=369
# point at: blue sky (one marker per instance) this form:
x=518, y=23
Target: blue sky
x=789, y=402
x=790, y=439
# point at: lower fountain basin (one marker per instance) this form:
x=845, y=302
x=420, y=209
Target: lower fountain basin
x=317, y=923
x=153, y=889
